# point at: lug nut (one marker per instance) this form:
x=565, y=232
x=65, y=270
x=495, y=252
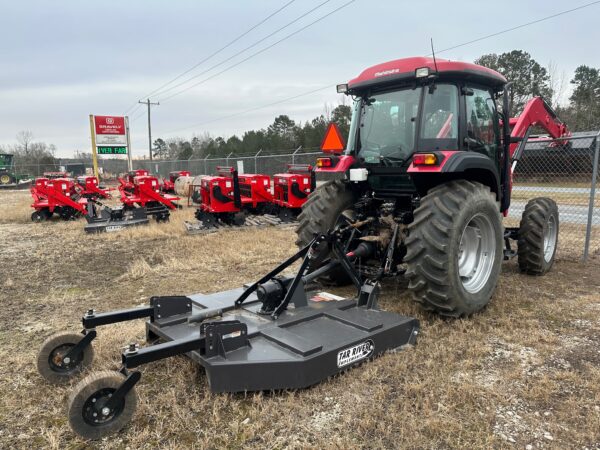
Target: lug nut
x=105, y=411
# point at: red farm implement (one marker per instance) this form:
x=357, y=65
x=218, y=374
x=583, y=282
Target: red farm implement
x=91, y=189
x=232, y=199
x=291, y=189
x=168, y=184
x=140, y=199
x=61, y=196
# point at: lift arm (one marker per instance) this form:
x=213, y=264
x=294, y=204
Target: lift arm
x=537, y=112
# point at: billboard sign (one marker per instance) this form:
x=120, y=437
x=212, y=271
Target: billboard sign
x=110, y=131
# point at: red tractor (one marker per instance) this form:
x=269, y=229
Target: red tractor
x=425, y=179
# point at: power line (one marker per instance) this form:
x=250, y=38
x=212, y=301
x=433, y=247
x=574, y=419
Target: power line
x=439, y=51
x=250, y=110
x=519, y=26
x=216, y=52
x=245, y=49
x=258, y=52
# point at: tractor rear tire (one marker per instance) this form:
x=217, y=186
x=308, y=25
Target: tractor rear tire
x=319, y=214
x=538, y=236
x=454, y=249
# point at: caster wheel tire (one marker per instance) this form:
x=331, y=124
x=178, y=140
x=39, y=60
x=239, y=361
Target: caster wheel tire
x=51, y=363
x=88, y=417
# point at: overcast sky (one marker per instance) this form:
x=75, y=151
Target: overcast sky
x=63, y=60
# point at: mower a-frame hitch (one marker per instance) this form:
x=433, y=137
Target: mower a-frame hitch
x=276, y=333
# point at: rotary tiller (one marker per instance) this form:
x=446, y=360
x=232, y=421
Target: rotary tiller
x=273, y=334
x=126, y=182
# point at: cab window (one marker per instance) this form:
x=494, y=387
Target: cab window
x=439, y=128
x=481, y=128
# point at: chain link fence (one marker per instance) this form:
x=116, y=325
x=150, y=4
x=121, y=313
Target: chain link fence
x=565, y=170
x=110, y=168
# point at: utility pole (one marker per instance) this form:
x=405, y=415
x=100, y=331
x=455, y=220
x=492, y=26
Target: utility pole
x=149, y=103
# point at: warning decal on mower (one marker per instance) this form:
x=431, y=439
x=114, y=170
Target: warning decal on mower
x=355, y=353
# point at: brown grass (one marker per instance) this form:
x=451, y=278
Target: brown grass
x=525, y=371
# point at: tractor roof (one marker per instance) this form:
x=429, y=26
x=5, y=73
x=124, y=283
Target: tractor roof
x=404, y=70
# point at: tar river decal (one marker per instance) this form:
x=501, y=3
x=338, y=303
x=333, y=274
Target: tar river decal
x=355, y=353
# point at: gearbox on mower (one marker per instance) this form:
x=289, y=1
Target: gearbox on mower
x=275, y=333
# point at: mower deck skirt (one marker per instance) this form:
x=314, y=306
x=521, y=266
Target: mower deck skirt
x=302, y=347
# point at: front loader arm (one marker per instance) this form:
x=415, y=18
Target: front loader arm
x=537, y=112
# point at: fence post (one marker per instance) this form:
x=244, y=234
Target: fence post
x=227, y=159
x=255, y=160
x=588, y=231
x=205, y=168
x=294, y=154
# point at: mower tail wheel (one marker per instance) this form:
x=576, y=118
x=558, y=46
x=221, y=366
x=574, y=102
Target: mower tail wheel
x=88, y=414
x=538, y=236
x=52, y=364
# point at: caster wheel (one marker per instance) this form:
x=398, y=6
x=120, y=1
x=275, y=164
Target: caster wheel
x=52, y=365
x=88, y=417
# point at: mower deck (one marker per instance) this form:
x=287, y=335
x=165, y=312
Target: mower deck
x=302, y=347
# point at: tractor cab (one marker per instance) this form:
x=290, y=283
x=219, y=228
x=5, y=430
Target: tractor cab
x=412, y=116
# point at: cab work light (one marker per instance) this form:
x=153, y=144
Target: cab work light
x=422, y=72
x=342, y=88
x=425, y=159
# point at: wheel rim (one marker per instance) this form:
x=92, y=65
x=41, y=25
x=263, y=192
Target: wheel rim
x=57, y=362
x=4, y=179
x=550, y=235
x=476, y=253
x=94, y=411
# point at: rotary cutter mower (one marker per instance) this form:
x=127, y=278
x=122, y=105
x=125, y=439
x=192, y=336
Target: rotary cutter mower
x=276, y=333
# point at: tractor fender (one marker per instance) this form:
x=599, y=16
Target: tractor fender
x=461, y=165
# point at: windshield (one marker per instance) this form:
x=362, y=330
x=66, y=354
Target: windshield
x=387, y=126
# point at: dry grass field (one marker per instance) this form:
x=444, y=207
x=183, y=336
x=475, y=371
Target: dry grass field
x=524, y=373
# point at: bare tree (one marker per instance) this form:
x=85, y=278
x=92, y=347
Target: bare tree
x=24, y=138
x=558, y=84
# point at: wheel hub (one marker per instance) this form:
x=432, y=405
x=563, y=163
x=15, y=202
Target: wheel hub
x=476, y=253
x=550, y=238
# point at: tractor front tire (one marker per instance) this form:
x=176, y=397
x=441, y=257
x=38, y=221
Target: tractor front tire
x=454, y=249
x=538, y=236
x=320, y=214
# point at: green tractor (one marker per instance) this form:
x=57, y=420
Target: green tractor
x=8, y=176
